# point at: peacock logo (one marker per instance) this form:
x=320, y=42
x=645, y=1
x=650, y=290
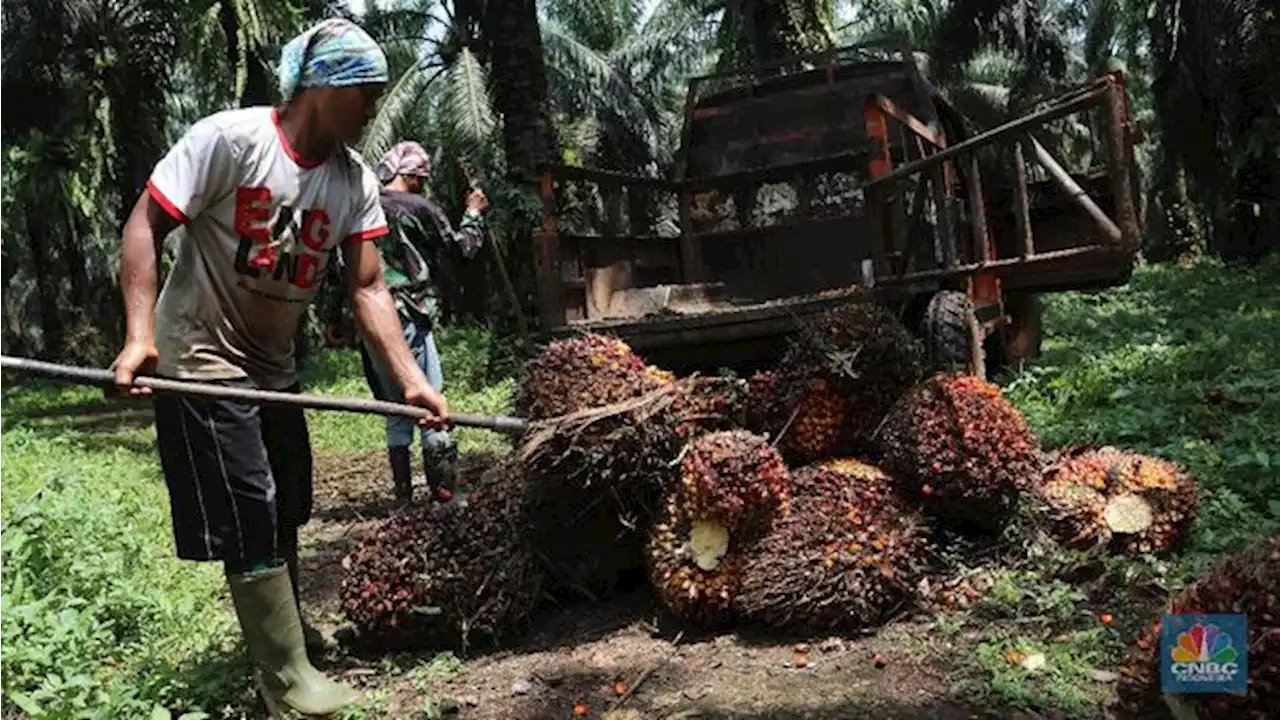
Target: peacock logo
x=1204, y=654
x=1204, y=644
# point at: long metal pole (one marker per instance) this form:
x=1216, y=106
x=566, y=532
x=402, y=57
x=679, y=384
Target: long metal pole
x=95, y=376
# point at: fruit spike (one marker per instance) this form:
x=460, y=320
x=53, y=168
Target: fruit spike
x=838, y=378
x=464, y=561
x=701, y=595
x=819, y=422
x=582, y=372
x=958, y=436
x=592, y=493
x=709, y=404
x=733, y=477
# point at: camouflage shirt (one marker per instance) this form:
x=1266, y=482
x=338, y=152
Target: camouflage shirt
x=420, y=231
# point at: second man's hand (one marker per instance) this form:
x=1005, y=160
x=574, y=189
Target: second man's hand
x=477, y=201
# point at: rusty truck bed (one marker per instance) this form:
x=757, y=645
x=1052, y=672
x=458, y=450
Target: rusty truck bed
x=717, y=335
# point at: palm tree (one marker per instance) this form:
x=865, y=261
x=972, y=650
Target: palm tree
x=616, y=76
x=1218, y=102
x=83, y=152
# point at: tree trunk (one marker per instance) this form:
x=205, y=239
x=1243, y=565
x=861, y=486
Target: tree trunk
x=520, y=96
x=520, y=86
x=46, y=281
x=77, y=272
x=1174, y=225
x=256, y=90
x=5, y=277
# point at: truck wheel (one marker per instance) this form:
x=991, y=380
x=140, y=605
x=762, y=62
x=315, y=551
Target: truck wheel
x=949, y=330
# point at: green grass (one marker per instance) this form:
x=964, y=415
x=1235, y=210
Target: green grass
x=478, y=378
x=99, y=618
x=1184, y=363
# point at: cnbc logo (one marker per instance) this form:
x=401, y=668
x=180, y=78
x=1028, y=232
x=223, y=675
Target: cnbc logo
x=1203, y=654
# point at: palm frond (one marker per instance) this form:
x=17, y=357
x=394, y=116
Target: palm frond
x=399, y=101
x=467, y=108
x=1102, y=28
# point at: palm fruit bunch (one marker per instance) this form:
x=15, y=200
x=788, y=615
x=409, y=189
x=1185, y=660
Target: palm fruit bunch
x=734, y=478
x=732, y=486
x=761, y=396
x=695, y=567
x=593, y=495
x=850, y=552
x=443, y=571
x=839, y=376
x=582, y=372
x=709, y=404
x=1109, y=497
x=594, y=487
x=959, y=446
x=1247, y=583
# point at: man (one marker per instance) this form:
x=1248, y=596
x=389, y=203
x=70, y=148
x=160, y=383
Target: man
x=419, y=229
x=265, y=194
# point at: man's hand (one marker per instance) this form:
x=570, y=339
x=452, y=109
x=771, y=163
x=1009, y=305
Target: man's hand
x=477, y=201
x=137, y=357
x=423, y=395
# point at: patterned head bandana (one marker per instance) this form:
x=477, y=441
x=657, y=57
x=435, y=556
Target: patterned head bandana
x=406, y=158
x=333, y=53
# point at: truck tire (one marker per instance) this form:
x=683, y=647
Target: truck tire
x=947, y=331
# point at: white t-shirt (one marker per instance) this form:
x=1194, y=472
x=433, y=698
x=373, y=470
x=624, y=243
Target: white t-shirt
x=260, y=223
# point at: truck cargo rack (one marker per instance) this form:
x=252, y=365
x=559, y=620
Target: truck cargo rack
x=898, y=209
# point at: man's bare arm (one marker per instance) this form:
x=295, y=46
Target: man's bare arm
x=144, y=232
x=147, y=227
x=379, y=322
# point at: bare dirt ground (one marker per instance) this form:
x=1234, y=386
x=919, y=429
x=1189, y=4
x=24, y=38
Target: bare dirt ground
x=621, y=658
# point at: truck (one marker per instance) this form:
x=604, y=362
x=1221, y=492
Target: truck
x=802, y=184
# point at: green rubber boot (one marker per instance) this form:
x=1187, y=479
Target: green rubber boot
x=268, y=616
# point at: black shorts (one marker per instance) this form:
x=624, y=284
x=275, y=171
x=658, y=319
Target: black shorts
x=239, y=475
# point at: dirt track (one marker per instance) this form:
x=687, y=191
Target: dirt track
x=579, y=653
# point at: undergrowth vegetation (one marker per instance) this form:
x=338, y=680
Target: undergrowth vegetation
x=1182, y=363
x=99, y=619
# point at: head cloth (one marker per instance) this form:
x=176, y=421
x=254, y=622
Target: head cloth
x=406, y=158
x=332, y=53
